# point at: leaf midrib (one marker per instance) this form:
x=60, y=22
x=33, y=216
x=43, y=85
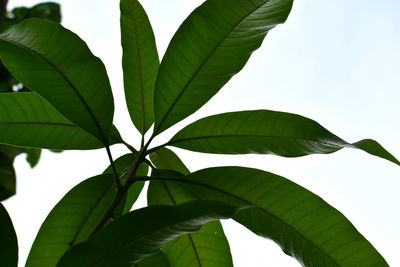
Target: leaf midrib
x=78, y=230
x=115, y=250
x=202, y=65
x=38, y=123
x=86, y=105
x=252, y=136
x=138, y=50
x=245, y=201
x=189, y=235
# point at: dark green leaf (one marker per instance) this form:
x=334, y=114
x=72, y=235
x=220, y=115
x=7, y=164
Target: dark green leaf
x=206, y=247
x=266, y=132
x=49, y=10
x=69, y=76
x=71, y=220
x=156, y=259
x=33, y=156
x=28, y=120
x=305, y=226
x=122, y=164
x=140, y=233
x=140, y=63
x=7, y=177
x=166, y=159
x=211, y=45
x=11, y=151
x=374, y=148
x=20, y=13
x=8, y=240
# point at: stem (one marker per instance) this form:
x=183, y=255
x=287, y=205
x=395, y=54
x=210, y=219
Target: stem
x=116, y=178
x=151, y=150
x=142, y=142
x=148, y=162
x=131, y=148
x=121, y=190
x=109, y=212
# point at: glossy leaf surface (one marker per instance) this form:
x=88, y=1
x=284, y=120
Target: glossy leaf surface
x=166, y=159
x=156, y=259
x=139, y=62
x=8, y=240
x=7, y=177
x=71, y=220
x=27, y=120
x=121, y=244
x=206, y=247
x=69, y=76
x=210, y=46
x=33, y=156
x=266, y=132
x=305, y=226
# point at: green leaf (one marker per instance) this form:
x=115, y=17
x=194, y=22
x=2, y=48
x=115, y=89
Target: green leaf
x=121, y=165
x=305, y=226
x=212, y=45
x=156, y=259
x=266, y=132
x=28, y=120
x=48, y=10
x=206, y=247
x=69, y=76
x=33, y=156
x=7, y=177
x=120, y=243
x=71, y=220
x=8, y=240
x=166, y=159
x=11, y=151
x=139, y=62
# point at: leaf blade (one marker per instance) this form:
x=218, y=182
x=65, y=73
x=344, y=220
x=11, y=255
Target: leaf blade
x=210, y=46
x=140, y=63
x=206, y=247
x=129, y=246
x=166, y=159
x=8, y=242
x=305, y=226
x=266, y=132
x=71, y=220
x=34, y=53
x=27, y=115
x=7, y=177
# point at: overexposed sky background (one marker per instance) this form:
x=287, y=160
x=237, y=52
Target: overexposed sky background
x=336, y=62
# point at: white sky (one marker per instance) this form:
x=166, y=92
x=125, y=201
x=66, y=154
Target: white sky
x=336, y=62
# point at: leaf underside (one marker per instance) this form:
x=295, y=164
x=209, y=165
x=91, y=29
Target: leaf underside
x=139, y=62
x=34, y=51
x=211, y=45
x=301, y=223
x=206, y=247
x=27, y=120
x=266, y=132
x=8, y=240
x=120, y=244
x=71, y=220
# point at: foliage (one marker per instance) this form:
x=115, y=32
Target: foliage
x=72, y=108
x=9, y=84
